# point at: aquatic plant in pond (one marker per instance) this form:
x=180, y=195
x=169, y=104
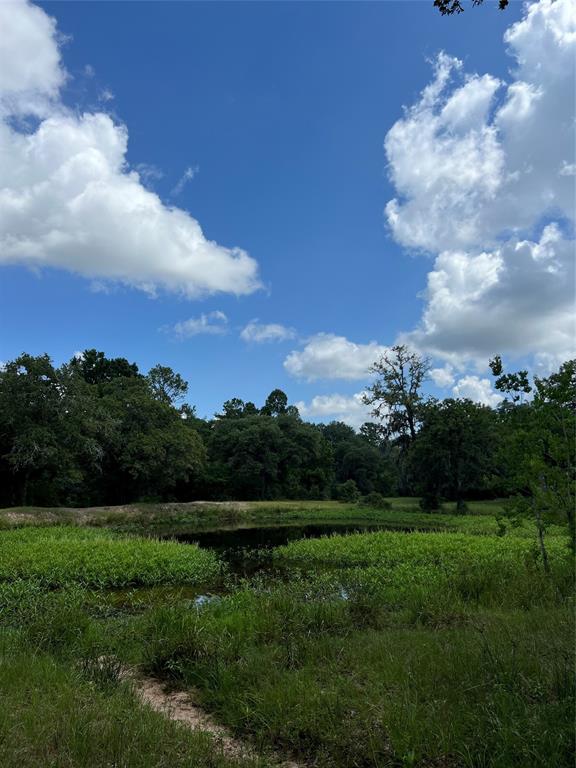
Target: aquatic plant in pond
x=447, y=551
x=65, y=555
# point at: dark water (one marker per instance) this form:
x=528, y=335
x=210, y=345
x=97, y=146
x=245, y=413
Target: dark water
x=267, y=537
x=246, y=550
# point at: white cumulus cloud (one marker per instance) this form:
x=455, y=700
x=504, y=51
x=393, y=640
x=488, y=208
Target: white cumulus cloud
x=327, y=356
x=212, y=323
x=67, y=196
x=482, y=171
x=336, y=407
x=263, y=332
x=443, y=377
x=477, y=389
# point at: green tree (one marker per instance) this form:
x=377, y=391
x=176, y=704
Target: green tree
x=538, y=449
x=166, y=385
x=454, y=452
x=396, y=394
x=49, y=431
x=152, y=448
x=396, y=399
x=96, y=368
x=276, y=403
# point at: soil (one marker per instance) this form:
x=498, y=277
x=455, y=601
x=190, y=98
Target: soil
x=178, y=705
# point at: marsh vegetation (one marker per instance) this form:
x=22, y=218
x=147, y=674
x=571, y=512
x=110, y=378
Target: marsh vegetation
x=381, y=647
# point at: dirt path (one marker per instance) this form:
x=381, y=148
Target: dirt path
x=178, y=706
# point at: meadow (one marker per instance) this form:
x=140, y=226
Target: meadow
x=445, y=647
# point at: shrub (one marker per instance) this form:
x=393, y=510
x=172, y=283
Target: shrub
x=375, y=500
x=348, y=492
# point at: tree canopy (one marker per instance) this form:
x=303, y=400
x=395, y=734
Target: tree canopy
x=96, y=430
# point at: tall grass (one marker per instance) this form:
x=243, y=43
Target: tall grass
x=347, y=684
x=55, y=715
x=63, y=555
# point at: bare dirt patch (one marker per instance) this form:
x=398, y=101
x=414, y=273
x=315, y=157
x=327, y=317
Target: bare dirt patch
x=178, y=705
x=117, y=514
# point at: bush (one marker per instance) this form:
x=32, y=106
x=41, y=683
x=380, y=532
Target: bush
x=375, y=500
x=347, y=492
x=430, y=502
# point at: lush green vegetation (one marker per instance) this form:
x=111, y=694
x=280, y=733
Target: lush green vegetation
x=383, y=648
x=389, y=649
x=96, y=431
x=55, y=714
x=444, y=641
x=64, y=555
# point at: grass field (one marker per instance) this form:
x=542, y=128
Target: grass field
x=443, y=648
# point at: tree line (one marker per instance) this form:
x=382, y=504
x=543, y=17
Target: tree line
x=96, y=430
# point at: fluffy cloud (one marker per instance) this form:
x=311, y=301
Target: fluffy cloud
x=519, y=298
x=212, y=323
x=327, y=356
x=347, y=408
x=30, y=70
x=482, y=173
x=443, y=377
x=477, y=389
x=69, y=200
x=263, y=332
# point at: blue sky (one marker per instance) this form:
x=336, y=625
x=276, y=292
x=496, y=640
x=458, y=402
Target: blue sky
x=280, y=111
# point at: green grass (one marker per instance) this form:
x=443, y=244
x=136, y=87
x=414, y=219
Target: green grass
x=442, y=550
x=346, y=683
x=55, y=715
x=64, y=555
x=389, y=649
x=483, y=517
x=442, y=649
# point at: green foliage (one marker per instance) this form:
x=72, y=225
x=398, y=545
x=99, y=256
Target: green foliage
x=60, y=556
x=446, y=551
x=95, y=368
x=396, y=394
x=451, y=7
x=167, y=386
x=363, y=458
x=347, y=492
x=379, y=648
x=454, y=452
x=349, y=682
x=538, y=449
x=91, y=430
x=96, y=431
x=267, y=457
x=375, y=500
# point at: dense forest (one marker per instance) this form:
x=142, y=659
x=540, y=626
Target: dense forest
x=97, y=431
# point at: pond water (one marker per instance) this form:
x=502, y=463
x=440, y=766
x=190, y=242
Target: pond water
x=265, y=537
x=245, y=549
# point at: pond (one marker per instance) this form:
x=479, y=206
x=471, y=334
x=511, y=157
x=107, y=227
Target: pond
x=264, y=537
x=245, y=548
